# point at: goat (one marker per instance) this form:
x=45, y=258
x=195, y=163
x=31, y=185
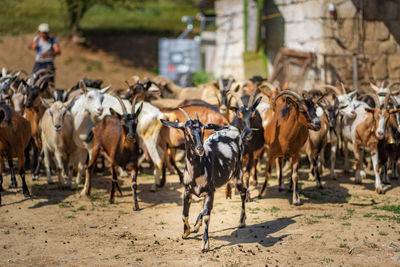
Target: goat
x=15, y=133
x=57, y=131
x=116, y=136
x=247, y=116
x=208, y=166
x=33, y=112
x=286, y=127
x=172, y=138
x=317, y=140
x=364, y=131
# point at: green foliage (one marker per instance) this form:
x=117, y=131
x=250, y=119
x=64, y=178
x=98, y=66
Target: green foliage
x=95, y=15
x=202, y=77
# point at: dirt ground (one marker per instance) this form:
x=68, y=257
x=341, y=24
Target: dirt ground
x=58, y=227
x=341, y=225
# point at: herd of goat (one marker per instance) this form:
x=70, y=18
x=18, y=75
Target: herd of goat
x=225, y=127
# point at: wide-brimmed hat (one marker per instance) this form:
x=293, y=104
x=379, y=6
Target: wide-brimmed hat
x=44, y=27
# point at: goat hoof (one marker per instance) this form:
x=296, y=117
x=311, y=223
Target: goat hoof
x=14, y=185
x=379, y=190
x=111, y=201
x=186, y=234
x=242, y=225
x=35, y=177
x=320, y=186
x=136, y=208
x=204, y=250
x=254, y=182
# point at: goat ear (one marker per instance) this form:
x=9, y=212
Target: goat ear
x=291, y=102
x=147, y=85
x=115, y=114
x=257, y=102
x=372, y=110
x=105, y=89
x=212, y=126
x=139, y=109
x=392, y=111
x=83, y=87
x=45, y=103
x=173, y=124
x=3, y=72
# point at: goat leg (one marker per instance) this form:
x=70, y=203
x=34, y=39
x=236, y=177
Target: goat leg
x=13, y=179
x=263, y=190
x=295, y=178
x=279, y=167
x=113, y=182
x=35, y=176
x=25, y=189
x=375, y=165
x=208, y=204
x=199, y=220
x=243, y=195
x=316, y=172
x=180, y=174
x=187, y=200
x=134, y=188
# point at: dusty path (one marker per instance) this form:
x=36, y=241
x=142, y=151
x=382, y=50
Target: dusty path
x=60, y=228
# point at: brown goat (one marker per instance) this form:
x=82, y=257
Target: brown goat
x=15, y=133
x=116, y=136
x=286, y=131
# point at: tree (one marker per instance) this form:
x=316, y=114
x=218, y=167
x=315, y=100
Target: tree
x=77, y=8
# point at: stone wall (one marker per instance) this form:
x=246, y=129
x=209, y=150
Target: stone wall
x=229, y=38
x=374, y=32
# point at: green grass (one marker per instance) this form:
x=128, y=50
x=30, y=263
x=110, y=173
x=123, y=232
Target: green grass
x=346, y=224
x=136, y=16
x=383, y=233
x=343, y=245
x=310, y=221
x=160, y=223
x=392, y=208
x=325, y=216
x=6, y=232
x=70, y=217
x=81, y=208
x=65, y=205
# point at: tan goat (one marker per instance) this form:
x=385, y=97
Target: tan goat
x=57, y=132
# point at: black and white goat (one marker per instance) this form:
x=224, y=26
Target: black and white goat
x=208, y=166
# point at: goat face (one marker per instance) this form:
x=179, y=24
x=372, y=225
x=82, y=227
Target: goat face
x=57, y=111
x=310, y=118
x=332, y=112
x=138, y=89
x=193, y=132
x=381, y=118
x=18, y=100
x=94, y=99
x=33, y=92
x=244, y=116
x=346, y=105
x=128, y=120
x=224, y=103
